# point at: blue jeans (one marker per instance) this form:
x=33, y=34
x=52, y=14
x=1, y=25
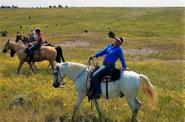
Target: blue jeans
x=32, y=48
x=96, y=81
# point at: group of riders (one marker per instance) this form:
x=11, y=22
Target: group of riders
x=112, y=53
x=35, y=40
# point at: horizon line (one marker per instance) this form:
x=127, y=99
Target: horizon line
x=63, y=6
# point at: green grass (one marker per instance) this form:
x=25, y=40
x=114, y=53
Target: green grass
x=160, y=29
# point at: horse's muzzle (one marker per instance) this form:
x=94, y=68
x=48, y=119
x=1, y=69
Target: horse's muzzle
x=56, y=85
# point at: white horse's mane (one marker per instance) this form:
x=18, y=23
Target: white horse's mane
x=71, y=69
x=74, y=65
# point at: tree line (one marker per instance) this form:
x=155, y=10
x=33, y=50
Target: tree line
x=50, y=6
x=13, y=6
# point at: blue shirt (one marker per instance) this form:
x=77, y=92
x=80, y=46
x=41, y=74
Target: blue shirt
x=112, y=54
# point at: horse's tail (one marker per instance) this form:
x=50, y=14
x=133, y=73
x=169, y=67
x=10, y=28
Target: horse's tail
x=149, y=91
x=59, y=54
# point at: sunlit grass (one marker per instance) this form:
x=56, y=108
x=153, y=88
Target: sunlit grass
x=165, y=69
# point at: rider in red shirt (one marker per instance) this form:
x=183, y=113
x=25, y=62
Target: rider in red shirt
x=39, y=41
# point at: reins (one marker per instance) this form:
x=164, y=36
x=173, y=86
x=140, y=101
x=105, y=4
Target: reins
x=58, y=73
x=80, y=74
x=88, y=65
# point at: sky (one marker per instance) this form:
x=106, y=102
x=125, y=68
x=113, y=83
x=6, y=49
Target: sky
x=95, y=3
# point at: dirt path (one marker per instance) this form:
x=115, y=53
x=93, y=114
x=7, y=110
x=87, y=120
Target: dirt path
x=140, y=51
x=76, y=43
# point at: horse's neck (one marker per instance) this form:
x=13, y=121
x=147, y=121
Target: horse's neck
x=16, y=46
x=73, y=72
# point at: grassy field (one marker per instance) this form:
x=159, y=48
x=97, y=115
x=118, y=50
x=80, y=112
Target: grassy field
x=159, y=30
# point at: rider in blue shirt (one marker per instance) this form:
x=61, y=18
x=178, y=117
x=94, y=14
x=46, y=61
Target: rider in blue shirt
x=112, y=52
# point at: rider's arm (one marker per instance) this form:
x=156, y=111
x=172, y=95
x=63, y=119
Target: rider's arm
x=39, y=39
x=101, y=53
x=122, y=59
x=42, y=37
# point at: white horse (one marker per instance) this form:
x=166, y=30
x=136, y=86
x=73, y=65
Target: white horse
x=128, y=84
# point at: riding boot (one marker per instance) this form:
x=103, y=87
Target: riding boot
x=96, y=91
x=95, y=96
x=89, y=93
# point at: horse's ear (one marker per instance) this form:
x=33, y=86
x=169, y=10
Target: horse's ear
x=8, y=40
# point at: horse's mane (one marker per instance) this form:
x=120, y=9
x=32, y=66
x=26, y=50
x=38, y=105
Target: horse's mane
x=76, y=65
x=17, y=44
x=12, y=52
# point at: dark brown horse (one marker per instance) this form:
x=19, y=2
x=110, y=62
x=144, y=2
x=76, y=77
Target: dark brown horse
x=45, y=53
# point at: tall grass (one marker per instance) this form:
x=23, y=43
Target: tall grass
x=160, y=29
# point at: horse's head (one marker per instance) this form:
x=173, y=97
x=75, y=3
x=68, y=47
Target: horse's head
x=18, y=37
x=25, y=39
x=58, y=76
x=6, y=47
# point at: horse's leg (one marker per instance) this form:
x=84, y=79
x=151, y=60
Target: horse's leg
x=138, y=105
x=35, y=66
x=31, y=67
x=80, y=98
x=48, y=66
x=20, y=64
x=130, y=95
x=97, y=108
x=51, y=63
x=134, y=105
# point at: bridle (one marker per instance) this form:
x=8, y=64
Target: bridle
x=58, y=71
x=58, y=74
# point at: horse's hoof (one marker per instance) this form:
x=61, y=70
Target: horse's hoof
x=73, y=119
x=134, y=119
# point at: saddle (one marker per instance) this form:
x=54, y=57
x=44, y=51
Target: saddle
x=113, y=75
x=36, y=51
x=30, y=57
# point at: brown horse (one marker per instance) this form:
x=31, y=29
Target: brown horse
x=45, y=53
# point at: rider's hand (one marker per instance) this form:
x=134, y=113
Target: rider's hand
x=91, y=58
x=126, y=69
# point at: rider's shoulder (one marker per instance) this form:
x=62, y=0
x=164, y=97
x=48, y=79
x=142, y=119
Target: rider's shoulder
x=109, y=45
x=119, y=49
